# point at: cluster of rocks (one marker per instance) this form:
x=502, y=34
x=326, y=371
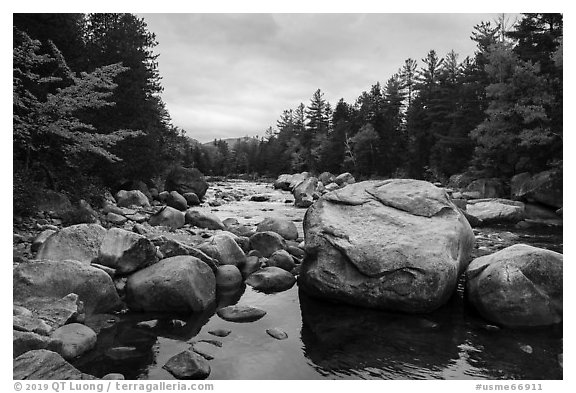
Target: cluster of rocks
x=403, y=244
x=533, y=200
x=87, y=269
x=307, y=188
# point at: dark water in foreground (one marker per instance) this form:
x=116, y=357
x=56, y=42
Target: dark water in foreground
x=339, y=342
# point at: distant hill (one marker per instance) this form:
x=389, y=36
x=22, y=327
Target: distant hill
x=232, y=141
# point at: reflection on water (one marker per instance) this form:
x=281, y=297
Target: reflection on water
x=329, y=341
x=349, y=341
x=343, y=341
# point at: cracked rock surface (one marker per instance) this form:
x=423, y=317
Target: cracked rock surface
x=396, y=244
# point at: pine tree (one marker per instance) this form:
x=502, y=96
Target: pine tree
x=408, y=77
x=516, y=135
x=316, y=129
x=112, y=38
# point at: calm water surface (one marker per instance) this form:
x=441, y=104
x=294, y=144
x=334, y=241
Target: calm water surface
x=328, y=341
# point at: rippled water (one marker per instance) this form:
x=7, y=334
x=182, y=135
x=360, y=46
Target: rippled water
x=329, y=341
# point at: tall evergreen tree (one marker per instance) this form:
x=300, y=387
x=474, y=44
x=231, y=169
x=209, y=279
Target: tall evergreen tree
x=125, y=38
x=516, y=135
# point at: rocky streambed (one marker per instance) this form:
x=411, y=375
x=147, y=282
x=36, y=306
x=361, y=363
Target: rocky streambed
x=300, y=337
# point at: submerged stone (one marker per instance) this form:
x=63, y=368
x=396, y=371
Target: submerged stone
x=240, y=313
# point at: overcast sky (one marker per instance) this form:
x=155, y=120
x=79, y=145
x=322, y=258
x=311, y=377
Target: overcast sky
x=230, y=75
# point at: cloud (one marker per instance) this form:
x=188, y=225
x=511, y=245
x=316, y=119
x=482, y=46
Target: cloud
x=233, y=74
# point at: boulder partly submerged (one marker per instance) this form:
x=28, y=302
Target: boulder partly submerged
x=181, y=284
x=282, y=226
x=495, y=211
x=397, y=244
x=519, y=286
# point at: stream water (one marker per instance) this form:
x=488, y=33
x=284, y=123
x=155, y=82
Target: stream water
x=329, y=341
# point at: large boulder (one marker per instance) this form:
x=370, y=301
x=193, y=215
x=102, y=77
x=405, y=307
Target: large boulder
x=181, y=284
x=544, y=187
x=76, y=339
x=203, y=219
x=137, y=185
x=185, y=180
x=518, y=286
x=266, y=243
x=297, y=179
x=176, y=201
x=495, y=211
x=224, y=248
x=126, y=251
x=171, y=248
x=168, y=217
x=304, y=192
x=271, y=279
x=58, y=278
x=282, y=259
x=283, y=182
x=282, y=226
x=131, y=198
x=344, y=179
x=228, y=276
x=78, y=242
x=397, y=244
x=43, y=364
x=485, y=188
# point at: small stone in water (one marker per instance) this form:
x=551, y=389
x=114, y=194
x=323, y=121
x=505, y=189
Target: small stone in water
x=148, y=324
x=177, y=323
x=526, y=348
x=188, y=365
x=240, y=313
x=277, y=333
x=220, y=332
